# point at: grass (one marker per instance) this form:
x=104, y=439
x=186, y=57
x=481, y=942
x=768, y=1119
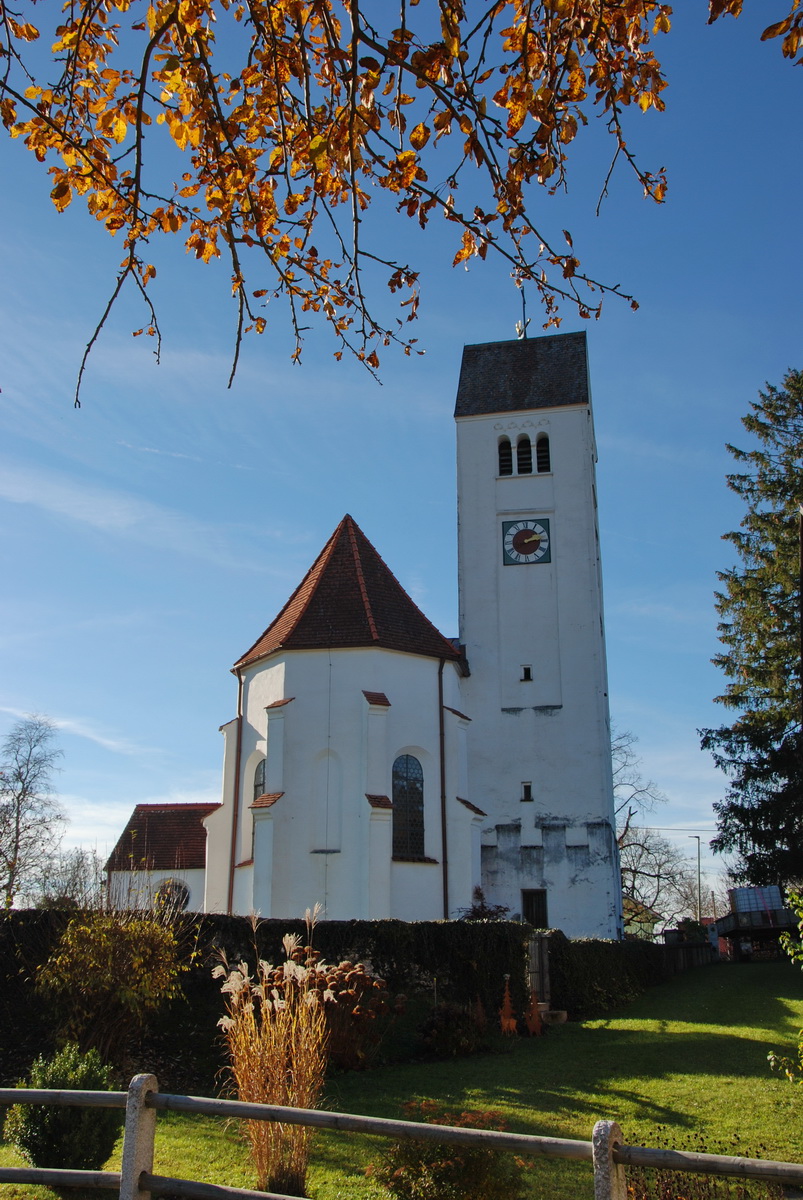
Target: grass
x=686, y=1062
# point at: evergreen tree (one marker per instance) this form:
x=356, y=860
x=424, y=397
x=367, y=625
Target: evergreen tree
x=761, y=817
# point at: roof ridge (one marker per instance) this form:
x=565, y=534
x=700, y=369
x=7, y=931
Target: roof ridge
x=318, y=566
x=361, y=578
x=177, y=804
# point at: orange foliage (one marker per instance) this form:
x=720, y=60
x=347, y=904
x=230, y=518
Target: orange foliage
x=284, y=119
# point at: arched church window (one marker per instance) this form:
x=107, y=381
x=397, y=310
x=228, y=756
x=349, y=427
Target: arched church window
x=408, y=807
x=542, y=459
x=259, y=779
x=524, y=456
x=505, y=457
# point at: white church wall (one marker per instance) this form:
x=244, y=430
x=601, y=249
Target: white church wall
x=218, y=829
x=327, y=843
x=137, y=889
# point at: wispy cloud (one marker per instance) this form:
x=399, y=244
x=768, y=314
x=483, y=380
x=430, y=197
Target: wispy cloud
x=84, y=729
x=195, y=458
x=163, y=453
x=119, y=513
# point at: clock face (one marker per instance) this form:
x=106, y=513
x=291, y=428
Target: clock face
x=525, y=541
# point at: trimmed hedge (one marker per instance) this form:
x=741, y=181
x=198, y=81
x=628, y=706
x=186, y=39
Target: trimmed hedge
x=455, y=961
x=590, y=976
x=452, y=962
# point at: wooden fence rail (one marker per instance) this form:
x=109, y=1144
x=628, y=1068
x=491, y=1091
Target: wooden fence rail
x=606, y=1151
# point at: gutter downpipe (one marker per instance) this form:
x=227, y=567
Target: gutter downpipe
x=236, y=812
x=441, y=747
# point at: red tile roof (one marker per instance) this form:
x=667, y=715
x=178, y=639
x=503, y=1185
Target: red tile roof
x=471, y=807
x=377, y=698
x=266, y=800
x=379, y=801
x=350, y=597
x=457, y=713
x=162, y=837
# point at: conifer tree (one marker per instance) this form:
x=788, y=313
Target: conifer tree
x=761, y=817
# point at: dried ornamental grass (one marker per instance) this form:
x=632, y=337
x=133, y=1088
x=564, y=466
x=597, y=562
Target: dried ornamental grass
x=276, y=1037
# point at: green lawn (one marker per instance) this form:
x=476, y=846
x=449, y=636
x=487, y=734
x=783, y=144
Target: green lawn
x=688, y=1058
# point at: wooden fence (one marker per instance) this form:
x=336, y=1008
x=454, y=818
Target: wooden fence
x=606, y=1151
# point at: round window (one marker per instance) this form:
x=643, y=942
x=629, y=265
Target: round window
x=172, y=894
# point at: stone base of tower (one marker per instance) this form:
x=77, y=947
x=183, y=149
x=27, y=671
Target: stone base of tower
x=561, y=877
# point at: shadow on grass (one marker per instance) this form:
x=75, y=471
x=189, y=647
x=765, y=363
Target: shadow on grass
x=768, y=995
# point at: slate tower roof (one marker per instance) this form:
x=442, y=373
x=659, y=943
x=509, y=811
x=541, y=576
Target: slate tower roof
x=348, y=598
x=544, y=372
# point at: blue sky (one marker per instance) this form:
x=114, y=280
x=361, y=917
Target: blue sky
x=151, y=536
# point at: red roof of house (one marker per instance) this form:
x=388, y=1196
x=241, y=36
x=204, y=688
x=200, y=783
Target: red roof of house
x=162, y=837
x=350, y=597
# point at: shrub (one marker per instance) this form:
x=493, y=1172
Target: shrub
x=48, y=1135
x=452, y=1029
x=412, y=1170
x=792, y=1067
x=108, y=971
x=358, y=1011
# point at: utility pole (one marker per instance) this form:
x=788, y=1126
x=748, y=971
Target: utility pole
x=696, y=836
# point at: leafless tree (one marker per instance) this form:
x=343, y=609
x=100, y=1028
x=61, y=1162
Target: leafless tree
x=31, y=817
x=69, y=879
x=657, y=875
x=632, y=794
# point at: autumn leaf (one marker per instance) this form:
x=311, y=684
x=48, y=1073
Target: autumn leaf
x=468, y=247
x=419, y=136
x=61, y=195
x=317, y=152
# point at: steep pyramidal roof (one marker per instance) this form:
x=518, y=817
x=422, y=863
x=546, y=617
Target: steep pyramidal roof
x=162, y=837
x=350, y=597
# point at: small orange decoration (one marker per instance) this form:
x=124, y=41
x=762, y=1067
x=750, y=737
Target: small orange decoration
x=532, y=1017
x=507, y=1016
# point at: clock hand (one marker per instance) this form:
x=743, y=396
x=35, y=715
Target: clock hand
x=535, y=538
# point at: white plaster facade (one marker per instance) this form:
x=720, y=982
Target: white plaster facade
x=545, y=728
x=324, y=832
x=139, y=889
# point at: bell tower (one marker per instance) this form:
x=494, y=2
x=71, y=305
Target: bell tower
x=531, y=622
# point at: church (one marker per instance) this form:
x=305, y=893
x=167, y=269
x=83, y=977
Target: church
x=383, y=769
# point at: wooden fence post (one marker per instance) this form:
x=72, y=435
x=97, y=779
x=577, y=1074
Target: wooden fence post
x=609, y=1176
x=138, y=1139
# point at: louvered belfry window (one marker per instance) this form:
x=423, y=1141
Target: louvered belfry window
x=524, y=456
x=505, y=457
x=542, y=460
x=408, y=807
